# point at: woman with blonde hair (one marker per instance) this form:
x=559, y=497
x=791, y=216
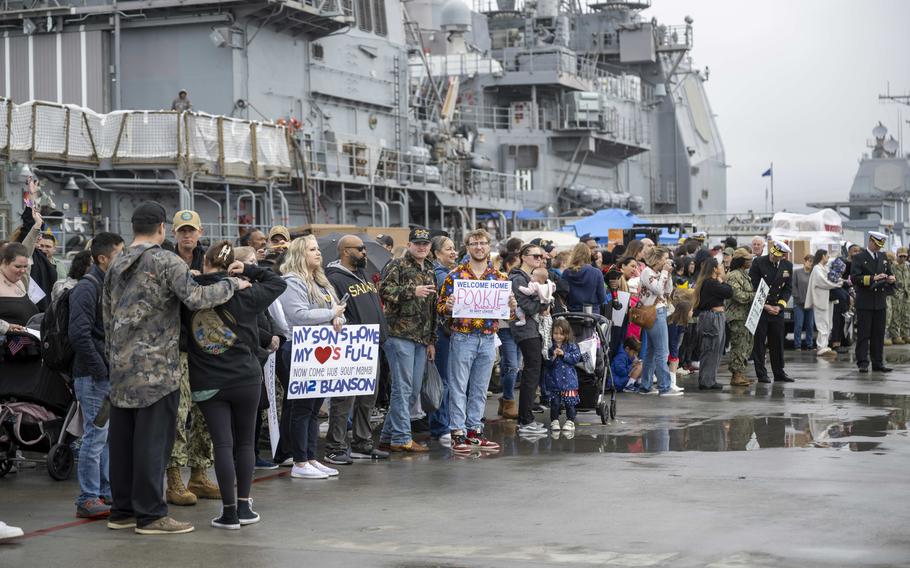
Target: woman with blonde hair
x=586, y=283
x=654, y=290
x=309, y=300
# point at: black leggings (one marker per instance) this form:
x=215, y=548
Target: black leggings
x=231, y=418
x=530, y=377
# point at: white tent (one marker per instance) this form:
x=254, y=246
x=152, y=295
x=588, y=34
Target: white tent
x=823, y=229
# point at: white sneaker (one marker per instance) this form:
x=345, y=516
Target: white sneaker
x=324, y=469
x=676, y=388
x=682, y=372
x=532, y=428
x=446, y=439
x=824, y=351
x=671, y=393
x=307, y=472
x=7, y=531
x=569, y=426
x=287, y=463
x=554, y=425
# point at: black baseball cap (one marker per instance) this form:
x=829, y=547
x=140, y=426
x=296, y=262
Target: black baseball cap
x=419, y=235
x=149, y=213
x=385, y=240
x=545, y=244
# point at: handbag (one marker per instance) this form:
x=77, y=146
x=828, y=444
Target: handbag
x=643, y=316
x=431, y=389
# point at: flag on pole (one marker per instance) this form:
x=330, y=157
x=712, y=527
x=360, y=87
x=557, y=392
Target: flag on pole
x=767, y=173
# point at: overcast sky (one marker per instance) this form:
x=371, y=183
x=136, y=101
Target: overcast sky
x=796, y=82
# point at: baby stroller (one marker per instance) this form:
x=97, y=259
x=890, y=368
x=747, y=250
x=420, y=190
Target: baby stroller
x=37, y=406
x=595, y=388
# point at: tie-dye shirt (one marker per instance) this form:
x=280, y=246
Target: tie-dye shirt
x=464, y=325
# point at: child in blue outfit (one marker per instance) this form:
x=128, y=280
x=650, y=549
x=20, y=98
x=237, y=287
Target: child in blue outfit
x=626, y=366
x=560, y=378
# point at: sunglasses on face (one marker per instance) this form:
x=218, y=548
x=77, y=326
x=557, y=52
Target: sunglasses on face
x=537, y=256
x=361, y=248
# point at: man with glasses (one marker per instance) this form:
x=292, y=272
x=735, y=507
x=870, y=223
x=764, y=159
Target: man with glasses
x=472, y=349
x=408, y=292
x=363, y=308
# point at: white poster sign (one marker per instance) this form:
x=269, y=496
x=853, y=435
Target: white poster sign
x=758, y=306
x=269, y=377
x=482, y=299
x=329, y=363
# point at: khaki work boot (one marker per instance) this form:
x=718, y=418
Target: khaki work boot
x=898, y=341
x=739, y=380
x=201, y=486
x=499, y=410
x=906, y=340
x=165, y=525
x=510, y=409
x=176, y=493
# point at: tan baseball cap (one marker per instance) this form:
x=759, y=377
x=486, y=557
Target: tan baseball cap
x=187, y=218
x=280, y=230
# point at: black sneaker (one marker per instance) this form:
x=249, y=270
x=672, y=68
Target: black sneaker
x=338, y=458
x=245, y=512
x=228, y=519
x=368, y=454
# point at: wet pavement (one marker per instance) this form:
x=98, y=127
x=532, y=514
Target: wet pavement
x=811, y=473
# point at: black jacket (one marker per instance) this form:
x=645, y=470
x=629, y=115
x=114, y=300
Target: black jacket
x=530, y=305
x=43, y=272
x=223, y=343
x=363, y=306
x=870, y=295
x=778, y=278
x=86, y=328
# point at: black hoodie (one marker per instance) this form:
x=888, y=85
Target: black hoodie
x=223, y=342
x=363, y=306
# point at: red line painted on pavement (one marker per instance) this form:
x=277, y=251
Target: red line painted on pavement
x=49, y=530
x=80, y=522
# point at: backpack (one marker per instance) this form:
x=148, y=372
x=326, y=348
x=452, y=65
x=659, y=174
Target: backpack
x=56, y=351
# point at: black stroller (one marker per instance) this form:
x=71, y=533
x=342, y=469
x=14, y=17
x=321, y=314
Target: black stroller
x=23, y=379
x=595, y=389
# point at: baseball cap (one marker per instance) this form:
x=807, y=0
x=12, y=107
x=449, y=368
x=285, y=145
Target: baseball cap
x=545, y=244
x=385, y=240
x=902, y=251
x=280, y=231
x=149, y=213
x=187, y=218
x=419, y=235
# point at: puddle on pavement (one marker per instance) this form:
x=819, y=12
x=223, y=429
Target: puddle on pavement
x=847, y=424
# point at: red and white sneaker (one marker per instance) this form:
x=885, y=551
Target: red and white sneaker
x=461, y=444
x=482, y=443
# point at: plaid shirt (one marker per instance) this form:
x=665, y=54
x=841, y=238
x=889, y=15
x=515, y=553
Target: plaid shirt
x=463, y=325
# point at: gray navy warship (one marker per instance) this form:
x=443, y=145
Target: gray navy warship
x=354, y=112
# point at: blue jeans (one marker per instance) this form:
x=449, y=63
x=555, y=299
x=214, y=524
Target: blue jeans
x=407, y=362
x=803, y=318
x=508, y=363
x=439, y=419
x=655, y=360
x=94, y=477
x=470, y=364
x=675, y=334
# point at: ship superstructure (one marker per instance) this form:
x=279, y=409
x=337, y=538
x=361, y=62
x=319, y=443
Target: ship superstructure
x=358, y=112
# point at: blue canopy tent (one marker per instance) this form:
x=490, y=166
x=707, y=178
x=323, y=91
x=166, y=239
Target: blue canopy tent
x=599, y=224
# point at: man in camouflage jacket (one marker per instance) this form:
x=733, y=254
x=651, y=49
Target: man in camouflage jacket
x=143, y=290
x=408, y=292
x=737, y=311
x=900, y=301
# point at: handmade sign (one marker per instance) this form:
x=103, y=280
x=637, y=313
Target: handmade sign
x=269, y=377
x=758, y=305
x=329, y=363
x=481, y=299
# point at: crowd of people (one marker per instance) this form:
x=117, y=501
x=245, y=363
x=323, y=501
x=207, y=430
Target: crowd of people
x=170, y=340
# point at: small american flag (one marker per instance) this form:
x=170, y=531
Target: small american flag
x=17, y=344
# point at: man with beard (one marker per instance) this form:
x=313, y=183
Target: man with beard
x=363, y=308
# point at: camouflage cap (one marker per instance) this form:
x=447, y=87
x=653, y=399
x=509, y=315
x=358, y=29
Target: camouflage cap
x=902, y=251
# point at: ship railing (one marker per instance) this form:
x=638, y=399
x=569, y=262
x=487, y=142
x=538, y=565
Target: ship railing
x=492, y=185
x=673, y=38
x=215, y=145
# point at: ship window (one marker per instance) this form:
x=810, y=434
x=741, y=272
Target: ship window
x=318, y=52
x=382, y=26
x=523, y=180
x=364, y=15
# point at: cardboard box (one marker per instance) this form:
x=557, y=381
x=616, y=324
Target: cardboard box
x=800, y=250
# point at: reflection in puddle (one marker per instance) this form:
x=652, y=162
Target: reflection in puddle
x=834, y=428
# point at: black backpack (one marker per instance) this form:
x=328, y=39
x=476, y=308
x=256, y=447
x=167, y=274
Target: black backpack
x=56, y=351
